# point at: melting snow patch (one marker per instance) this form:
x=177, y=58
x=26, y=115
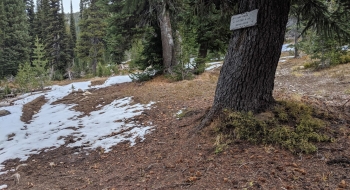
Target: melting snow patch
x=213, y=65
x=3, y=186
x=287, y=47
x=53, y=123
x=1, y=168
x=284, y=59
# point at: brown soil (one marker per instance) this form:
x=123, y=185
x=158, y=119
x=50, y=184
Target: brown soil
x=171, y=159
x=94, y=81
x=32, y=108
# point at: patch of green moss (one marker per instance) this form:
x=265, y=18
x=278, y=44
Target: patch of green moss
x=292, y=126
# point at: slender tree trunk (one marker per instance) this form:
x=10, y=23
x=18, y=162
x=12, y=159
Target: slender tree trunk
x=167, y=39
x=203, y=50
x=202, y=54
x=296, y=38
x=95, y=42
x=296, y=51
x=246, y=79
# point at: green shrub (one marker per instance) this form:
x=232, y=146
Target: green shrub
x=312, y=64
x=180, y=72
x=103, y=71
x=57, y=76
x=200, y=66
x=344, y=58
x=115, y=69
x=35, y=76
x=326, y=50
x=25, y=77
x=99, y=70
x=292, y=127
x=140, y=77
x=7, y=90
x=146, y=75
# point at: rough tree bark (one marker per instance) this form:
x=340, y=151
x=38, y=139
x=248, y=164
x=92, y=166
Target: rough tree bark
x=167, y=38
x=246, y=79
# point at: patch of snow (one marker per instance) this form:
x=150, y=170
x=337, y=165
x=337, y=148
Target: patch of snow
x=213, y=65
x=179, y=112
x=286, y=47
x=284, y=59
x=53, y=123
x=287, y=57
x=114, y=80
x=3, y=186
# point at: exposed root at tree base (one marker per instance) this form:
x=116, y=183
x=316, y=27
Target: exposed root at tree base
x=208, y=117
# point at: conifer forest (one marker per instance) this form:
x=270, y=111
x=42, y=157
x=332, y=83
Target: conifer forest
x=174, y=94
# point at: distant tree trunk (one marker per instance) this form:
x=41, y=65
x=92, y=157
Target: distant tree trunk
x=246, y=79
x=167, y=38
x=296, y=52
x=94, y=54
x=203, y=50
x=296, y=38
x=202, y=54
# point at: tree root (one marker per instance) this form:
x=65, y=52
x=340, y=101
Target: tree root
x=207, y=119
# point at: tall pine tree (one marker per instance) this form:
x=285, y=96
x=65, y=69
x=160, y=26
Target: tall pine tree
x=2, y=36
x=55, y=37
x=72, y=24
x=16, y=40
x=120, y=30
x=31, y=22
x=90, y=47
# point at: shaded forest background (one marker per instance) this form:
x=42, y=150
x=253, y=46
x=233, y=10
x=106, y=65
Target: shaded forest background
x=176, y=37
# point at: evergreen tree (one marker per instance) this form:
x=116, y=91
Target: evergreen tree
x=56, y=40
x=39, y=63
x=38, y=19
x=83, y=5
x=41, y=21
x=72, y=25
x=165, y=11
x=31, y=17
x=36, y=76
x=16, y=40
x=120, y=30
x=31, y=20
x=2, y=36
x=91, y=46
x=246, y=80
x=207, y=21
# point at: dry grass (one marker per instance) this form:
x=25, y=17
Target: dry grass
x=94, y=81
x=160, y=88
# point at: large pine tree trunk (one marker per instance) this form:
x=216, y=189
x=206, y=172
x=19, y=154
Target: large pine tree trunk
x=167, y=38
x=247, y=77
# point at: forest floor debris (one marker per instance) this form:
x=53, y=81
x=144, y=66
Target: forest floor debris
x=168, y=159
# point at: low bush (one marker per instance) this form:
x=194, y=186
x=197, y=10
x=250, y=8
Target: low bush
x=146, y=75
x=180, y=72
